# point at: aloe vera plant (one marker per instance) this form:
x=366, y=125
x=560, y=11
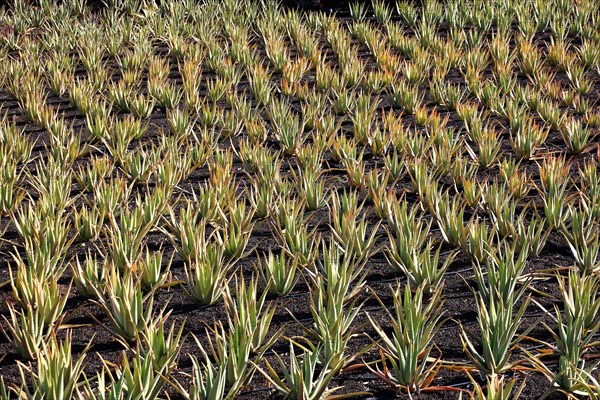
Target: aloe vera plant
x=301, y=380
x=498, y=315
x=408, y=347
x=25, y=331
x=278, y=273
x=57, y=373
x=573, y=337
x=127, y=308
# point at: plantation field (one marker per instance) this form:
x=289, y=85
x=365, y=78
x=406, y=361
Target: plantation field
x=223, y=199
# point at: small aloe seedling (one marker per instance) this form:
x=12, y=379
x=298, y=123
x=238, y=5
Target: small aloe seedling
x=125, y=239
x=208, y=379
x=135, y=379
x=425, y=183
x=478, y=239
x=94, y=173
x=501, y=207
x=188, y=232
x=355, y=170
